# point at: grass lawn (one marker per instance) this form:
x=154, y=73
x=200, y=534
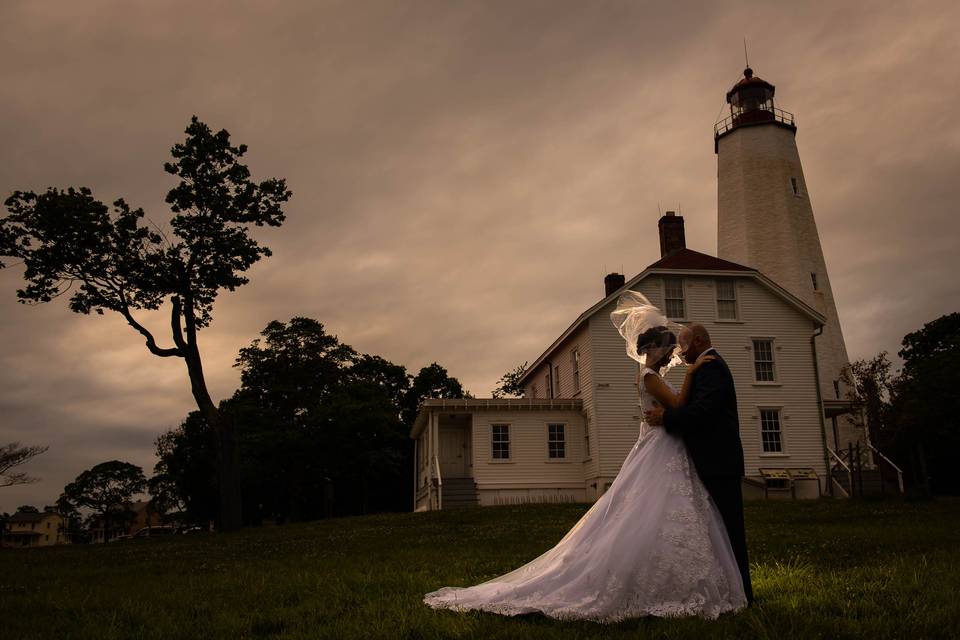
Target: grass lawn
x=826, y=569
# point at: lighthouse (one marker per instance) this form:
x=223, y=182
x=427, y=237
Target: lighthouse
x=765, y=220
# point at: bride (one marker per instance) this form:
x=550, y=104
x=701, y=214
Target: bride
x=653, y=545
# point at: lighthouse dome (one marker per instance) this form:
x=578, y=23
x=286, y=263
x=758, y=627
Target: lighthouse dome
x=750, y=93
x=751, y=103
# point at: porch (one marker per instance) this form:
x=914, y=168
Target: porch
x=445, y=433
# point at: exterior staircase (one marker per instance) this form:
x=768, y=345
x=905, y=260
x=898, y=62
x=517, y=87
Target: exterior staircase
x=873, y=484
x=459, y=493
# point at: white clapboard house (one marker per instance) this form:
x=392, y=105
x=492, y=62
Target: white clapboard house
x=766, y=301
x=566, y=439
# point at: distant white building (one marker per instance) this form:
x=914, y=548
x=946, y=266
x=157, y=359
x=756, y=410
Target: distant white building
x=766, y=302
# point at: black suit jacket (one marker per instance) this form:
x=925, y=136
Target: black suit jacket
x=708, y=422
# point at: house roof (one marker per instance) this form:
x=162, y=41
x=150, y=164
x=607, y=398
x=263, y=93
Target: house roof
x=27, y=516
x=455, y=405
x=690, y=259
x=683, y=261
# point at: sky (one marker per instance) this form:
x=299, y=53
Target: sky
x=463, y=173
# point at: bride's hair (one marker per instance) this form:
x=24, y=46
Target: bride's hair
x=660, y=338
x=656, y=337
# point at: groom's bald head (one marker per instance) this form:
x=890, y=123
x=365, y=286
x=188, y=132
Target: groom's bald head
x=694, y=340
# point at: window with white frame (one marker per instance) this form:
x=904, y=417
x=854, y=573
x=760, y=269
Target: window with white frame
x=556, y=441
x=500, y=441
x=726, y=299
x=547, y=386
x=673, y=297
x=763, y=360
x=575, y=361
x=586, y=441
x=556, y=381
x=770, y=434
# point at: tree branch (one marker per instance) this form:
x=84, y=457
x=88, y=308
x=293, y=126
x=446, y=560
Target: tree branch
x=13, y=455
x=151, y=342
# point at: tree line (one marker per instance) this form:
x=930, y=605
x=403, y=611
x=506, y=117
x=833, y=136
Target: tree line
x=322, y=430
x=913, y=415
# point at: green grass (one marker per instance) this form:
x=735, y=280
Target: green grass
x=827, y=569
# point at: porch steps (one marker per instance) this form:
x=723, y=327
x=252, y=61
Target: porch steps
x=459, y=493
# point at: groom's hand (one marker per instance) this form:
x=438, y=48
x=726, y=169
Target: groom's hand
x=654, y=416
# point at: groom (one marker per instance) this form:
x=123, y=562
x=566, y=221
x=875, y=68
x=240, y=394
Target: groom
x=710, y=428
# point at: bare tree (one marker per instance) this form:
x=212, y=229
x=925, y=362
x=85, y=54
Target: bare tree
x=13, y=455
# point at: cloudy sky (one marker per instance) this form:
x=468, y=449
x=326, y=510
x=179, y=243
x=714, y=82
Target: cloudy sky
x=464, y=174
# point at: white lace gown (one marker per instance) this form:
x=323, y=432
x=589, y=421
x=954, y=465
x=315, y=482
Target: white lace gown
x=653, y=545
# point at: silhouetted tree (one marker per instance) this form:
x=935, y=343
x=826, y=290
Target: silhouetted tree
x=75, y=530
x=319, y=427
x=27, y=508
x=287, y=377
x=432, y=381
x=927, y=405
x=67, y=237
x=164, y=497
x=106, y=489
x=13, y=455
x=186, y=459
x=509, y=386
x=872, y=387
x=914, y=416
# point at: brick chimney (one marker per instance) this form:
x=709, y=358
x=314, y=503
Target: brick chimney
x=612, y=282
x=672, y=238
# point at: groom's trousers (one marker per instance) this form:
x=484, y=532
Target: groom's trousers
x=727, y=494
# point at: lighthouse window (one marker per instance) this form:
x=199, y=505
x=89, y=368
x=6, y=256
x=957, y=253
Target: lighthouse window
x=796, y=187
x=673, y=296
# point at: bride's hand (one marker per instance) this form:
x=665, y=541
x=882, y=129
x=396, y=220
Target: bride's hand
x=700, y=362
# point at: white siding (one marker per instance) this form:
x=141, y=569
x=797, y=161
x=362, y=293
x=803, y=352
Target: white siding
x=762, y=314
x=607, y=378
x=562, y=356
x=529, y=466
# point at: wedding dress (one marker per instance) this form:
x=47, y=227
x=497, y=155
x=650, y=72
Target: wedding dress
x=653, y=545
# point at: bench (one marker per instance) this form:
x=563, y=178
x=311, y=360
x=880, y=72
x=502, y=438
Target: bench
x=786, y=479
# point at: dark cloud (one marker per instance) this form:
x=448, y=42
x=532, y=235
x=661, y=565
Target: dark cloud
x=464, y=174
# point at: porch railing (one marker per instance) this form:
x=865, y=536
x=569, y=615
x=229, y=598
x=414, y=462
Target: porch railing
x=840, y=465
x=892, y=465
x=772, y=114
x=439, y=482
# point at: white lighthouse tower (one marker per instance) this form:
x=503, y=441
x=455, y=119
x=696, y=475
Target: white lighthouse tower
x=765, y=220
